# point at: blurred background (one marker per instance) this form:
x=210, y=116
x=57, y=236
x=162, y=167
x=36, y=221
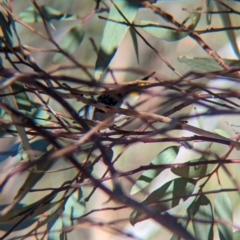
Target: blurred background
x=140, y=153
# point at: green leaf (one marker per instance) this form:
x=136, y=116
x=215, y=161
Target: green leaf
x=163, y=32
x=166, y=197
x=11, y=150
x=206, y=64
x=222, y=133
x=167, y=156
x=209, y=6
x=135, y=42
x=39, y=147
x=223, y=212
x=6, y=30
x=55, y=228
x=236, y=235
x=11, y=101
x=22, y=99
x=184, y=223
x=31, y=15
x=198, y=118
x=70, y=43
x=32, y=210
x=114, y=33
x=74, y=208
x=194, y=171
x=225, y=17
x=40, y=114
x=27, y=106
x=193, y=18
x=55, y=213
x=202, y=210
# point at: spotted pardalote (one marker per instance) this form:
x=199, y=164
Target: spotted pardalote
x=115, y=100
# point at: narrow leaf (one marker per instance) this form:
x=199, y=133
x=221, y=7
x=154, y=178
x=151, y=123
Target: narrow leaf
x=40, y=147
x=206, y=64
x=135, y=43
x=22, y=99
x=74, y=208
x=163, y=32
x=166, y=197
x=225, y=17
x=6, y=30
x=32, y=210
x=184, y=223
x=55, y=229
x=193, y=18
x=40, y=114
x=202, y=210
x=194, y=171
x=113, y=34
x=11, y=101
x=70, y=43
x=167, y=156
x=31, y=15
x=223, y=212
x=236, y=235
x=221, y=132
x=209, y=6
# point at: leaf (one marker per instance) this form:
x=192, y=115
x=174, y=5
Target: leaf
x=40, y=147
x=32, y=210
x=198, y=118
x=206, y=64
x=193, y=18
x=209, y=6
x=6, y=30
x=225, y=17
x=194, y=171
x=166, y=197
x=21, y=98
x=163, y=32
x=55, y=228
x=222, y=133
x=12, y=151
x=49, y=220
x=202, y=210
x=69, y=43
x=223, y=212
x=11, y=101
x=74, y=208
x=40, y=114
x=6, y=225
x=167, y=156
x=31, y=15
x=236, y=235
x=135, y=43
x=27, y=106
x=114, y=33
x=184, y=221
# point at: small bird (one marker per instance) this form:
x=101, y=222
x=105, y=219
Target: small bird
x=114, y=100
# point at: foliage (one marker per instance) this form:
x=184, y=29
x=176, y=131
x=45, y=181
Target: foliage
x=69, y=121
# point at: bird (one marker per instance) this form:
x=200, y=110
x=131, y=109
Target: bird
x=121, y=100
